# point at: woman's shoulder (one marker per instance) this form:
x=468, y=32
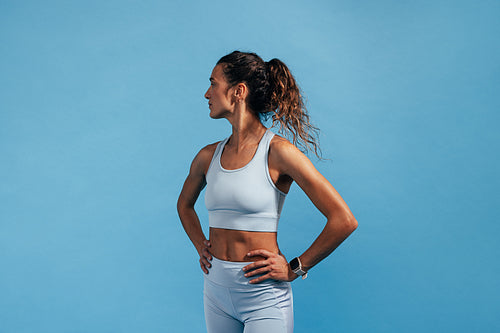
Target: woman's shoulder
x=210, y=148
x=286, y=157
x=280, y=147
x=204, y=157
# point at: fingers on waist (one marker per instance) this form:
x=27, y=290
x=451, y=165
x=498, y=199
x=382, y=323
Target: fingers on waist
x=255, y=265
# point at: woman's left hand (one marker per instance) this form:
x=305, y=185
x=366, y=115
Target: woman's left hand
x=275, y=265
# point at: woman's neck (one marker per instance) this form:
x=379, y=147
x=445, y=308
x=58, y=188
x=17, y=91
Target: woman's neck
x=247, y=130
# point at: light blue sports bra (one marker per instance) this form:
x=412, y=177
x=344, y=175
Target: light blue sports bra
x=244, y=198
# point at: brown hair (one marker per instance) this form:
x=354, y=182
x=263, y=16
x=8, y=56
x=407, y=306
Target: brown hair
x=273, y=90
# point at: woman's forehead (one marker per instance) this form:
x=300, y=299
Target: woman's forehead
x=217, y=72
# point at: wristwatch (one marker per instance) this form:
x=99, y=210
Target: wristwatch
x=297, y=268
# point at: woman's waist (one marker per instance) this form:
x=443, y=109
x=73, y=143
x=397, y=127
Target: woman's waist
x=234, y=245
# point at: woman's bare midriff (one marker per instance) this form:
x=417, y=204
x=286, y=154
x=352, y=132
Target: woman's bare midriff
x=233, y=245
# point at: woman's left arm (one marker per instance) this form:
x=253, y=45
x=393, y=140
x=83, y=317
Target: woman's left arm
x=339, y=225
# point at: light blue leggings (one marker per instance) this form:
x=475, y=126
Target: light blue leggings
x=234, y=305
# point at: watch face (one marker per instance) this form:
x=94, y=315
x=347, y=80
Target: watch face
x=294, y=264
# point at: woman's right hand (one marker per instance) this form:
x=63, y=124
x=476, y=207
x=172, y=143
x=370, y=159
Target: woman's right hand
x=205, y=256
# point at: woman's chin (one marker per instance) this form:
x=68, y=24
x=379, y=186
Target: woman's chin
x=215, y=115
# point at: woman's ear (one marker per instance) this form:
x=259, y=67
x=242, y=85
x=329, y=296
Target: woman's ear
x=241, y=91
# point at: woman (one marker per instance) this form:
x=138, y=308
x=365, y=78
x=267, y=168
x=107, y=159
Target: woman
x=247, y=278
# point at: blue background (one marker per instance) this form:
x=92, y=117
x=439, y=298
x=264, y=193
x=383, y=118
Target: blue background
x=102, y=112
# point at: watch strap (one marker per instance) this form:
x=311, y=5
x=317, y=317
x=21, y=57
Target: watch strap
x=299, y=269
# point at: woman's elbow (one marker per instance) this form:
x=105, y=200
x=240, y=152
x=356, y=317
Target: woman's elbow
x=343, y=223
x=351, y=223
x=184, y=205
x=181, y=205
x=346, y=222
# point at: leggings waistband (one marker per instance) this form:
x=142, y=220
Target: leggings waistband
x=230, y=274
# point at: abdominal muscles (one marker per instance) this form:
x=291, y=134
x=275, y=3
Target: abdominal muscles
x=233, y=245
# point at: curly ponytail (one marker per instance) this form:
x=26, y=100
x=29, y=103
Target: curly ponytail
x=289, y=108
x=273, y=91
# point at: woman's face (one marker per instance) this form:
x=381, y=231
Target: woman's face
x=219, y=96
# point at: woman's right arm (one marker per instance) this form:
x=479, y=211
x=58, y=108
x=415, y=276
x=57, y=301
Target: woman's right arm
x=193, y=185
